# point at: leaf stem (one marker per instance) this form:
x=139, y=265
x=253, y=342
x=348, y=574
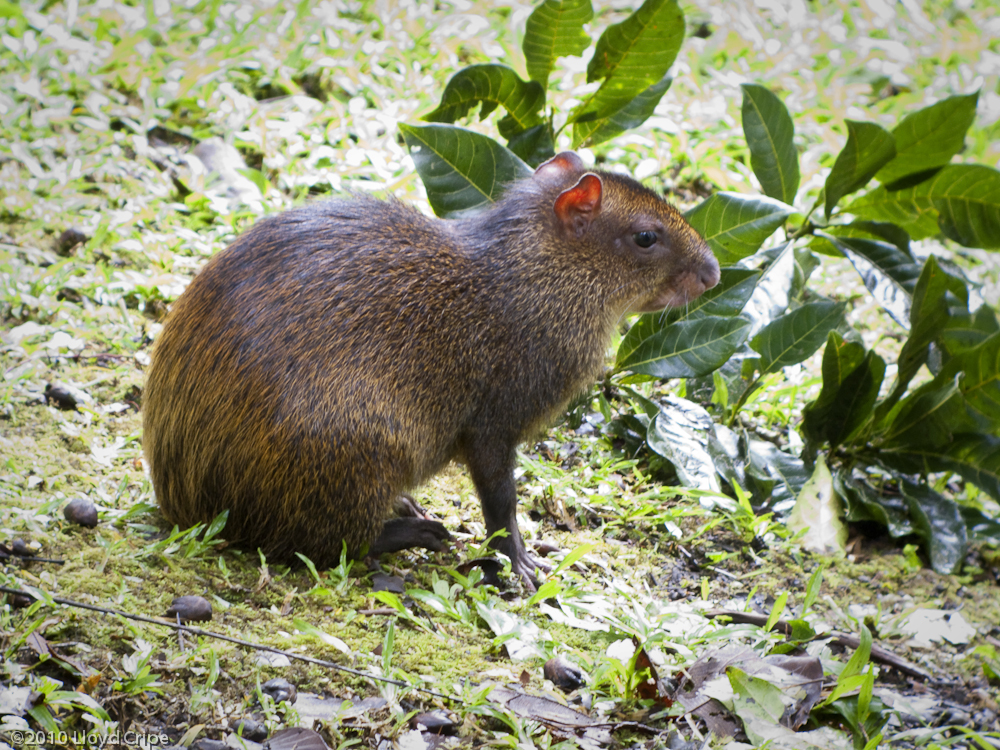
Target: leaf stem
x=741, y=402
x=807, y=226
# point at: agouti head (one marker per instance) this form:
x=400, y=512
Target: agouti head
x=649, y=256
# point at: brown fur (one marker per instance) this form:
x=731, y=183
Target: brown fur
x=338, y=354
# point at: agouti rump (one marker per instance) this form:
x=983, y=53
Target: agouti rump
x=338, y=354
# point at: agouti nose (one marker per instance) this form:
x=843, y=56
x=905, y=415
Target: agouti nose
x=708, y=274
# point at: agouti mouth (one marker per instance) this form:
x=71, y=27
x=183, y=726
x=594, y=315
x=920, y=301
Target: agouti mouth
x=676, y=292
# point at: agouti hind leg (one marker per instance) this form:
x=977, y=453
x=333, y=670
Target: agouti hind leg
x=409, y=532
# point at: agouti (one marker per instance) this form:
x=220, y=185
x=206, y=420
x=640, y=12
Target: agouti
x=338, y=354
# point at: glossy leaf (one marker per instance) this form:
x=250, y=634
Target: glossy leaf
x=460, y=169
x=687, y=349
x=492, y=85
x=726, y=450
x=534, y=145
x=967, y=199
x=734, y=225
x=980, y=527
x=980, y=384
x=553, y=30
x=726, y=299
x=773, y=292
x=632, y=115
x=973, y=456
x=930, y=136
x=788, y=473
x=889, y=274
x=865, y=504
x=796, y=335
x=631, y=56
x=964, y=332
x=891, y=255
x=769, y=131
x=962, y=201
x=851, y=381
x=901, y=207
x=939, y=523
x=680, y=433
x=869, y=148
x=875, y=230
x=935, y=295
x=816, y=515
x=805, y=263
x=927, y=418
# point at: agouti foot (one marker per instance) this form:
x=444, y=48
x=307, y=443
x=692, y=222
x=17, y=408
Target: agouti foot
x=524, y=566
x=405, y=533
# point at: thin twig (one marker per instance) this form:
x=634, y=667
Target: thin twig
x=29, y=558
x=230, y=639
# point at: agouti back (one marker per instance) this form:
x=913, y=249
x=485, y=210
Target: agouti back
x=338, y=354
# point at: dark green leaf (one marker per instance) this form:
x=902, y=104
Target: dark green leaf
x=869, y=147
x=936, y=295
x=724, y=447
x=632, y=115
x=930, y=136
x=967, y=199
x=851, y=381
x=492, y=85
x=461, y=170
x=772, y=294
x=875, y=230
x=725, y=299
x=680, y=433
x=963, y=332
x=974, y=457
x=631, y=56
x=865, y=504
x=889, y=274
x=686, y=349
x=928, y=417
x=980, y=527
x=769, y=131
x=788, y=473
x=796, y=335
x=554, y=29
x=962, y=201
x=805, y=263
x=734, y=225
x=938, y=522
x=917, y=217
x=534, y=145
x=981, y=382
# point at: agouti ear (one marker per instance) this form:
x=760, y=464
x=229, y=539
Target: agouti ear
x=579, y=205
x=559, y=167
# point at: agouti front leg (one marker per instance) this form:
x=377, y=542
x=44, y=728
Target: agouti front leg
x=492, y=472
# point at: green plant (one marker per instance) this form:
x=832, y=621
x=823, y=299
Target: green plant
x=464, y=170
x=199, y=540
x=46, y=711
x=138, y=676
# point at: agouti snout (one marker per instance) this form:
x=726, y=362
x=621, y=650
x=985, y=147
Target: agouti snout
x=337, y=354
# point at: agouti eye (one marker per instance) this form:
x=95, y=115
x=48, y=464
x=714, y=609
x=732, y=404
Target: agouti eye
x=644, y=239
